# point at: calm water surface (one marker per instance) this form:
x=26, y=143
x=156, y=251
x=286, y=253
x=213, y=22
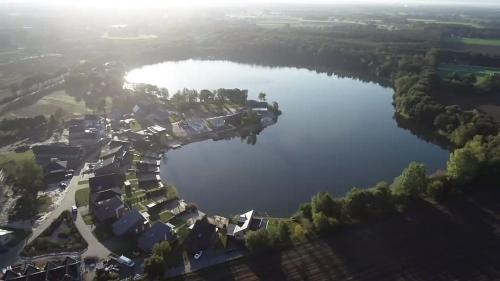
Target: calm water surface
x=335, y=133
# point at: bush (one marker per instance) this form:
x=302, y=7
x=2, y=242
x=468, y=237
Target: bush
x=258, y=241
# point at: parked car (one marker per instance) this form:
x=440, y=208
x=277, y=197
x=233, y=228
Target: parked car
x=62, y=185
x=125, y=261
x=68, y=176
x=74, y=209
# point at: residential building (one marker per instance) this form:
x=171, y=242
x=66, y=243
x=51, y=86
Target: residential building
x=158, y=232
x=200, y=236
x=109, y=210
x=245, y=223
x=132, y=223
x=108, y=181
x=55, y=170
x=45, y=153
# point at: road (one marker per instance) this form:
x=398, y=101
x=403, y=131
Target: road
x=95, y=248
x=458, y=241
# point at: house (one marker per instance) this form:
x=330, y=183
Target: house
x=147, y=168
x=217, y=122
x=109, y=210
x=245, y=222
x=103, y=182
x=256, y=104
x=67, y=270
x=149, y=161
x=131, y=224
x=110, y=165
x=200, y=236
x=99, y=196
x=158, y=232
x=45, y=153
x=55, y=170
x=5, y=236
x=160, y=116
x=148, y=179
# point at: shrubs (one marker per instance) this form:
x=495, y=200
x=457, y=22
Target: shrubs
x=258, y=241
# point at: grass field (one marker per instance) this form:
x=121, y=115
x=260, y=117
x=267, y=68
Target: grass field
x=82, y=197
x=462, y=69
x=16, y=157
x=431, y=21
x=49, y=104
x=481, y=42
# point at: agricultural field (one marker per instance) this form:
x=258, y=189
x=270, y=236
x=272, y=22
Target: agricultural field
x=463, y=69
x=49, y=104
x=481, y=42
x=433, y=21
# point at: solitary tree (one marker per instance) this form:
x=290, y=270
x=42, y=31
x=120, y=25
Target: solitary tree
x=412, y=181
x=262, y=96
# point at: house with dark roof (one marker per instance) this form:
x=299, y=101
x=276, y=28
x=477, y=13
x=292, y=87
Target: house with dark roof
x=142, y=167
x=201, y=236
x=45, y=153
x=157, y=233
x=102, y=195
x=109, y=210
x=115, y=157
x=132, y=223
x=55, y=170
x=107, y=181
x=149, y=180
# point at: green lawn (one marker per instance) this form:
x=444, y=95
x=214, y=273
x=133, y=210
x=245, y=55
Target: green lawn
x=16, y=157
x=83, y=182
x=49, y=104
x=481, y=42
x=88, y=219
x=166, y=216
x=82, y=197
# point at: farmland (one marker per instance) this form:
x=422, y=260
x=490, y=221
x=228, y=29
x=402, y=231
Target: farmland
x=462, y=69
x=481, y=42
x=433, y=21
x=49, y=104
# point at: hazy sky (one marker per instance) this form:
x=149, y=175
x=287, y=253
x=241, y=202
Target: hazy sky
x=132, y=3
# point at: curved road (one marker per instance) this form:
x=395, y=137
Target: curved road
x=95, y=248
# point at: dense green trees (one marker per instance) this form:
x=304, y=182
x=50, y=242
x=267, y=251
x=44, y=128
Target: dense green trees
x=258, y=241
x=412, y=181
x=154, y=266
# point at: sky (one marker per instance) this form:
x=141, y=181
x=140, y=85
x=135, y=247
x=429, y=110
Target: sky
x=137, y=3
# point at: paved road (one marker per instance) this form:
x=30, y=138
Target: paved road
x=95, y=248
x=458, y=241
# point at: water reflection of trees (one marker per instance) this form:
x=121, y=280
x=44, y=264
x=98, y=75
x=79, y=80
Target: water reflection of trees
x=422, y=132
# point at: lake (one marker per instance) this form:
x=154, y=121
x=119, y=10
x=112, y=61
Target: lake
x=334, y=133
